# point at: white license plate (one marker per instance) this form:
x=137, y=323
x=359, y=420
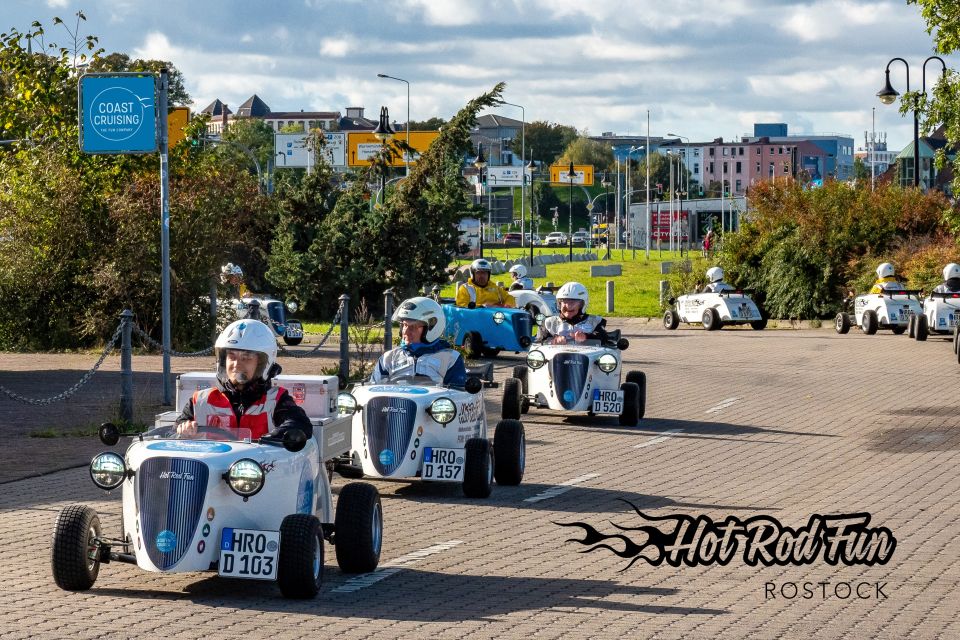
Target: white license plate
x=293, y=332
x=249, y=553
x=605, y=401
x=442, y=465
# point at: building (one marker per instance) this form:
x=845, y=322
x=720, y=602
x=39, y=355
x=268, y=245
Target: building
x=930, y=176
x=255, y=107
x=875, y=153
x=838, y=147
x=496, y=133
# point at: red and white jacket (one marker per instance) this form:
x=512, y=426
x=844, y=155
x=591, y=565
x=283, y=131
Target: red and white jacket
x=212, y=408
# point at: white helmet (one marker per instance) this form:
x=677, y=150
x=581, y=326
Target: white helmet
x=952, y=270
x=248, y=335
x=480, y=265
x=885, y=270
x=425, y=310
x=518, y=271
x=574, y=291
x=714, y=274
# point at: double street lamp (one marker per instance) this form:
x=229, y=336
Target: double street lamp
x=480, y=163
x=384, y=133
x=571, y=175
x=406, y=154
x=888, y=95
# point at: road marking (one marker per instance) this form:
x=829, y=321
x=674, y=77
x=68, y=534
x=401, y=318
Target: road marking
x=666, y=436
x=561, y=488
x=394, y=566
x=723, y=405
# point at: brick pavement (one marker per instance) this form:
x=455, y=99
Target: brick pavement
x=782, y=423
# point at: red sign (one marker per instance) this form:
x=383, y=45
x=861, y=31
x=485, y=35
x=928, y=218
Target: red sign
x=660, y=225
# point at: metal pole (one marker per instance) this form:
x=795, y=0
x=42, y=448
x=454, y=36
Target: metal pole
x=647, y=224
x=388, y=319
x=345, y=337
x=126, y=367
x=165, y=237
x=873, y=144
x=570, y=220
x=670, y=159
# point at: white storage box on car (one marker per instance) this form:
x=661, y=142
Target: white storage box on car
x=188, y=383
x=317, y=395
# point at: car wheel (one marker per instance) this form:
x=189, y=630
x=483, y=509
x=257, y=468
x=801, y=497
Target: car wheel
x=639, y=378
x=922, y=328
x=75, y=553
x=477, y=468
x=509, y=452
x=956, y=339
x=630, y=415
x=512, y=401
x=758, y=325
x=842, y=323
x=520, y=373
x=351, y=472
x=293, y=341
x=300, y=564
x=711, y=321
x=474, y=344
x=912, y=327
x=869, y=322
x=358, y=528
x=670, y=319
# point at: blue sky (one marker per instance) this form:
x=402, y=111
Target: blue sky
x=703, y=69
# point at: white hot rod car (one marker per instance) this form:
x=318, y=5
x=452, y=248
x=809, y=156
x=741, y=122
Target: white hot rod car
x=219, y=501
x=891, y=309
x=715, y=309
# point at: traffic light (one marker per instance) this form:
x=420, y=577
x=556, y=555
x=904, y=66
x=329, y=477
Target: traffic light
x=659, y=189
x=701, y=191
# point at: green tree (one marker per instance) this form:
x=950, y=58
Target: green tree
x=177, y=94
x=861, y=173
x=250, y=134
x=431, y=124
x=583, y=150
x=545, y=141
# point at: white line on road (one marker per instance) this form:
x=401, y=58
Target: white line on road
x=389, y=568
x=666, y=436
x=563, y=487
x=723, y=405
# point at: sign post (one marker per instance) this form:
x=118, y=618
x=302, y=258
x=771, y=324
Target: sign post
x=165, y=236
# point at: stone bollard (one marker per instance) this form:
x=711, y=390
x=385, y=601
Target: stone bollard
x=609, y=296
x=344, y=338
x=664, y=288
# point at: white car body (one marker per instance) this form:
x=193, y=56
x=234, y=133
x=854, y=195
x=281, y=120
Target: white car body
x=733, y=306
x=891, y=309
x=555, y=238
x=544, y=303
x=941, y=314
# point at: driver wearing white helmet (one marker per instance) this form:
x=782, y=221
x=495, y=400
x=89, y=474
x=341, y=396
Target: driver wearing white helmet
x=478, y=291
x=520, y=279
x=715, y=281
x=232, y=276
x=951, y=279
x=246, y=355
x=573, y=323
x=886, y=279
x=422, y=351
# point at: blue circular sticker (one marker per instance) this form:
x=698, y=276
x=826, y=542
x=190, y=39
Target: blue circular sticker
x=166, y=541
x=195, y=446
x=271, y=546
x=386, y=457
x=568, y=396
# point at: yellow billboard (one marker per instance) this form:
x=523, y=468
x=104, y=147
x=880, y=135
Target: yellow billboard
x=177, y=120
x=582, y=174
x=362, y=145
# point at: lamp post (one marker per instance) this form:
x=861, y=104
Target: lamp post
x=480, y=163
x=888, y=94
x=571, y=174
x=406, y=154
x=384, y=132
x=531, y=167
x=523, y=157
x=627, y=201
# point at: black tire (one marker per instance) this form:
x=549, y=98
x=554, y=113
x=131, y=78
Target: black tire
x=923, y=327
x=75, y=555
x=912, y=327
x=292, y=342
x=490, y=353
x=630, y=415
x=509, y=452
x=512, y=404
x=478, y=468
x=671, y=320
x=842, y=323
x=956, y=339
x=869, y=323
x=358, y=528
x=300, y=565
x=711, y=321
x=899, y=331
x=474, y=344
x=520, y=373
x=639, y=378
x=758, y=325
x=353, y=473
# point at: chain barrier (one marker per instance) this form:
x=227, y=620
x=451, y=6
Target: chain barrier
x=40, y=402
x=323, y=340
x=180, y=354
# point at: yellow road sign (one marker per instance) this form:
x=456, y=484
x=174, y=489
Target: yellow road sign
x=362, y=145
x=583, y=174
x=177, y=120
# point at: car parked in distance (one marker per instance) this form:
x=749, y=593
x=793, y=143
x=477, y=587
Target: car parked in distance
x=513, y=238
x=580, y=237
x=556, y=238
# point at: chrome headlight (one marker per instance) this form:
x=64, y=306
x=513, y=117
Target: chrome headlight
x=498, y=317
x=443, y=410
x=607, y=362
x=536, y=359
x=346, y=404
x=245, y=477
x=108, y=470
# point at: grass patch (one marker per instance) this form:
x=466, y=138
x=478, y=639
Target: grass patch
x=83, y=432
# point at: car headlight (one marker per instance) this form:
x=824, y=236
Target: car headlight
x=539, y=318
x=245, y=477
x=443, y=410
x=607, y=362
x=346, y=404
x=498, y=317
x=536, y=359
x=108, y=470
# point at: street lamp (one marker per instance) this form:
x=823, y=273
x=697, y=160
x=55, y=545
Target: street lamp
x=406, y=154
x=627, y=214
x=480, y=163
x=384, y=132
x=571, y=175
x=523, y=157
x=531, y=167
x=605, y=183
x=888, y=94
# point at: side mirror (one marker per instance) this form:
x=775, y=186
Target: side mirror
x=472, y=305
x=292, y=306
x=473, y=385
x=623, y=344
x=671, y=301
x=109, y=434
x=294, y=440
x=346, y=404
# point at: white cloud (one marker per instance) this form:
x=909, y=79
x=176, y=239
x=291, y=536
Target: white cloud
x=58, y=4
x=450, y=12
x=831, y=20
x=335, y=47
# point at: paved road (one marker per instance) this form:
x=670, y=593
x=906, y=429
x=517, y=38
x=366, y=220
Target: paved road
x=739, y=423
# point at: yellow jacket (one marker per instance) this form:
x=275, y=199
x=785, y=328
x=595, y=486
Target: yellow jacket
x=470, y=292
x=878, y=285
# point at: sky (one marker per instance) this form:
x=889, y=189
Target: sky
x=702, y=69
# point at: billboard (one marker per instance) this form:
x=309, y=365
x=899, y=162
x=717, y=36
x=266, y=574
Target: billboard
x=660, y=225
x=291, y=152
x=118, y=113
x=363, y=145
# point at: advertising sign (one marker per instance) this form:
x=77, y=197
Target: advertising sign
x=118, y=113
x=660, y=226
x=363, y=145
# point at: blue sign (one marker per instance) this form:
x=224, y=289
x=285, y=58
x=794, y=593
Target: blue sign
x=118, y=113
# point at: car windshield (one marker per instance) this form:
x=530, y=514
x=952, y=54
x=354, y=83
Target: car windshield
x=203, y=433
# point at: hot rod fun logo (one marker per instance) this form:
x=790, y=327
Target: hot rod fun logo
x=684, y=540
